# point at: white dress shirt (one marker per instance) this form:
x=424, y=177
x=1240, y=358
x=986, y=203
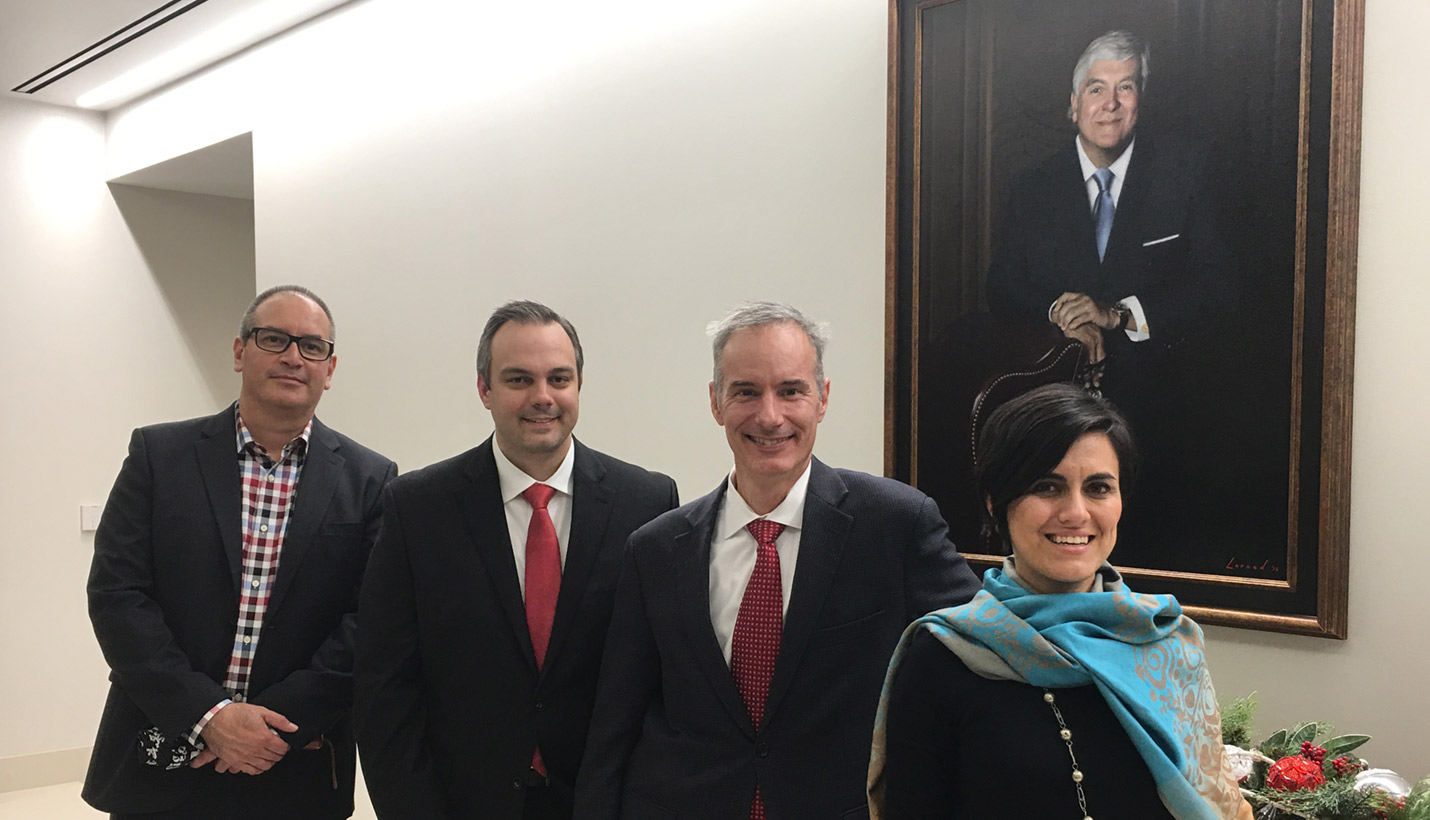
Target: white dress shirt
x=733, y=551
x=518, y=510
x=1118, y=169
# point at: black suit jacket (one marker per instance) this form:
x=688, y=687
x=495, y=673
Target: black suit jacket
x=671, y=736
x=163, y=597
x=1165, y=247
x=450, y=704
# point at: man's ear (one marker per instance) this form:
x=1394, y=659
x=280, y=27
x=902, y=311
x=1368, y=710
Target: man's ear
x=482, y=390
x=715, y=407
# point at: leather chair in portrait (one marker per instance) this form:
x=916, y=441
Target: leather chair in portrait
x=976, y=364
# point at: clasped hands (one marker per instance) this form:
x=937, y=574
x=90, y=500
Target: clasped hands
x=241, y=737
x=1083, y=319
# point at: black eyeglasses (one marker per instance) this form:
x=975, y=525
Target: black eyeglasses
x=273, y=340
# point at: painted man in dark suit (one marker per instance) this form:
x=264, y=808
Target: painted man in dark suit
x=489, y=592
x=225, y=580
x=1115, y=240
x=753, y=627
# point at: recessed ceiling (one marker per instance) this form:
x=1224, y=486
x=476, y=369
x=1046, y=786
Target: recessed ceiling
x=222, y=169
x=87, y=43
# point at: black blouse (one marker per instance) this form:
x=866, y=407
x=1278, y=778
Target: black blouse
x=962, y=746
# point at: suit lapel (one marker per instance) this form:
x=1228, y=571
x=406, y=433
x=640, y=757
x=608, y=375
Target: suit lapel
x=591, y=503
x=690, y=552
x=481, y=505
x=217, y=451
x=316, y=485
x=1070, y=197
x=822, y=543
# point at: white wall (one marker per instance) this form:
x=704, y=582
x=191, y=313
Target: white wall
x=640, y=166
x=91, y=349
x=640, y=186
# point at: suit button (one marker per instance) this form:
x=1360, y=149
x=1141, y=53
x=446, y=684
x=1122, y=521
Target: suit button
x=516, y=784
x=540, y=706
x=762, y=749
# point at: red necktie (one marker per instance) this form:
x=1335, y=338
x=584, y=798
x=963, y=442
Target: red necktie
x=758, y=628
x=543, y=580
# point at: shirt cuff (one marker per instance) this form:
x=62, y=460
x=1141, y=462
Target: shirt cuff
x=193, y=736
x=1137, y=330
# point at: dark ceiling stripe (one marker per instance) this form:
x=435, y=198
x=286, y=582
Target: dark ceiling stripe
x=99, y=48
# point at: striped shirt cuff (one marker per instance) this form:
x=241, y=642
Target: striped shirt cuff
x=193, y=736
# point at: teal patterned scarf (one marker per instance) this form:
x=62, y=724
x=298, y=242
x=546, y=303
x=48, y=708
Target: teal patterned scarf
x=1140, y=651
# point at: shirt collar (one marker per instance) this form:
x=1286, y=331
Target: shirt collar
x=1118, y=166
x=245, y=438
x=735, y=514
x=514, y=480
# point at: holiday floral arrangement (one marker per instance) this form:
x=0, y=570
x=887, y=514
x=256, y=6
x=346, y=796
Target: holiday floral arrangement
x=1306, y=772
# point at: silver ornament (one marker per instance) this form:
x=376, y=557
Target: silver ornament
x=1384, y=780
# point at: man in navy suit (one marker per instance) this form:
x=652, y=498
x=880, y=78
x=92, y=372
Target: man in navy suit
x=1115, y=240
x=223, y=591
x=753, y=627
x=485, y=607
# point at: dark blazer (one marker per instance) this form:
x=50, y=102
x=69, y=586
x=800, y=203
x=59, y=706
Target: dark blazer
x=163, y=597
x=671, y=736
x=1165, y=247
x=450, y=705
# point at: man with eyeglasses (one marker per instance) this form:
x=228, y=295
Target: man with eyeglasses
x=223, y=592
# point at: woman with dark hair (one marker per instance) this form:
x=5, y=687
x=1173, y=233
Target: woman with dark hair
x=1056, y=692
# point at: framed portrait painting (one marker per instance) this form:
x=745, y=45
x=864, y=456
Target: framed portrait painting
x=1156, y=201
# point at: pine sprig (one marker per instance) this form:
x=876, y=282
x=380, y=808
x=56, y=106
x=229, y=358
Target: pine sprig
x=1236, y=721
x=1417, y=804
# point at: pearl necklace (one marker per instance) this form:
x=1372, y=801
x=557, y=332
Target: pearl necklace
x=1066, y=734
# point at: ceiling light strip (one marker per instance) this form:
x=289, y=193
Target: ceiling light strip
x=104, y=46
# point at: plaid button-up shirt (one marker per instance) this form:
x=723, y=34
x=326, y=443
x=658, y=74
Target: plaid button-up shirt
x=268, y=487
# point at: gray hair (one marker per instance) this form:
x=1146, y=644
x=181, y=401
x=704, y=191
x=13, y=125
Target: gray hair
x=1114, y=45
x=523, y=312
x=245, y=325
x=758, y=314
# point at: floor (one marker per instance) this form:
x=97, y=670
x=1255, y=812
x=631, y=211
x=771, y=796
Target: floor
x=62, y=802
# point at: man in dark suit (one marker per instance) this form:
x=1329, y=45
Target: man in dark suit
x=753, y=627
x=484, y=612
x=1115, y=240
x=223, y=590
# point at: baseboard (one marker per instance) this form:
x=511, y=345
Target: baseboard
x=43, y=769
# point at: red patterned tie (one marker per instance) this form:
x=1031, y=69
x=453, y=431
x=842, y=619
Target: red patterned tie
x=758, y=628
x=543, y=580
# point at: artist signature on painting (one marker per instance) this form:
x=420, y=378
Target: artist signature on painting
x=1234, y=563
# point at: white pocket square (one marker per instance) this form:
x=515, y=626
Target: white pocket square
x=1149, y=243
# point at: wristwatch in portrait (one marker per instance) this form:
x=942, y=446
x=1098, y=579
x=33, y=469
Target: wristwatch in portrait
x=1123, y=314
